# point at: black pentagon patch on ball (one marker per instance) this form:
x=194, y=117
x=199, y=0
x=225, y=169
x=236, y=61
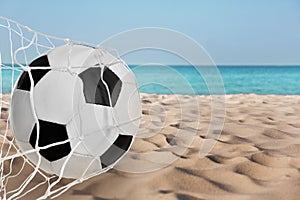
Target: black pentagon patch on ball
x=116, y=150
x=37, y=74
x=51, y=133
x=95, y=90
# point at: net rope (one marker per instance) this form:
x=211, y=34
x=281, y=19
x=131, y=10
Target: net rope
x=19, y=177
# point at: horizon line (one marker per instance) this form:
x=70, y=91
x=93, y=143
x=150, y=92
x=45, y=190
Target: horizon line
x=178, y=64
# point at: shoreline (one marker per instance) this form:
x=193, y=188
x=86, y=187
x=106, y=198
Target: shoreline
x=257, y=155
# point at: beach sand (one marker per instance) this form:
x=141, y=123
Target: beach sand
x=257, y=155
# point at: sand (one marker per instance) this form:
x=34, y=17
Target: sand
x=257, y=155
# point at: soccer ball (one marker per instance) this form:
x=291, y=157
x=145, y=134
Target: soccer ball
x=88, y=108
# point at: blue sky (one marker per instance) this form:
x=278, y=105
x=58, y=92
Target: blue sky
x=244, y=32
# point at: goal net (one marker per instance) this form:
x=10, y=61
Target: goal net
x=19, y=177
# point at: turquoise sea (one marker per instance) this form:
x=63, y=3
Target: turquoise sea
x=281, y=80
x=236, y=79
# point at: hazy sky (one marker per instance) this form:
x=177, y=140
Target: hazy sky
x=232, y=31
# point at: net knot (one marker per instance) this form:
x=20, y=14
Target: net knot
x=67, y=41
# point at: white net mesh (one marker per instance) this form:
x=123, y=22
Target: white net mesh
x=20, y=178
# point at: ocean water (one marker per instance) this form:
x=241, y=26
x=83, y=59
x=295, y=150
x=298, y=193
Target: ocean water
x=283, y=80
